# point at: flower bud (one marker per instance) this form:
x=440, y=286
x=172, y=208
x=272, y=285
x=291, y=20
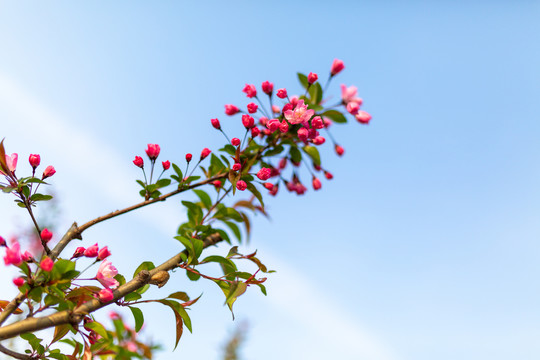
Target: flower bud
x=103, y=253
x=250, y=90
x=353, y=108
x=274, y=190
x=312, y=77
x=272, y=125
x=363, y=117
x=215, y=124
x=19, y=281
x=27, y=257
x=339, y=150
x=46, y=235
x=248, y=121
x=283, y=163
x=264, y=174
x=337, y=66
x=153, y=151
x=269, y=186
x=316, y=183
x=319, y=140
x=78, y=252
x=282, y=93
x=276, y=109
x=252, y=108
x=284, y=126
x=267, y=87
x=231, y=109
x=317, y=123
x=216, y=183
x=49, y=171
x=302, y=134
x=92, y=251
x=235, y=141
x=166, y=165
x=236, y=167
x=34, y=160
x=287, y=107
x=205, y=152
x=328, y=175
x=46, y=264
x=138, y=161
x=188, y=157
x=241, y=185
x=255, y=131
x=105, y=295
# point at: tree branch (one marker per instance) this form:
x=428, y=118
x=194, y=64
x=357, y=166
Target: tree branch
x=76, y=315
x=14, y=354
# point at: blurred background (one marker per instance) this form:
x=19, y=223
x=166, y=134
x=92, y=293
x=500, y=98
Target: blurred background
x=426, y=243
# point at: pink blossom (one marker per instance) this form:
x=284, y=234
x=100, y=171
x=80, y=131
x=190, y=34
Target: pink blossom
x=302, y=134
x=19, y=281
x=319, y=140
x=113, y=315
x=92, y=251
x=139, y=162
x=339, y=150
x=34, y=160
x=205, y=152
x=267, y=87
x=248, y=121
x=312, y=77
x=252, y=108
x=49, y=171
x=166, y=165
x=274, y=190
x=236, y=167
x=13, y=255
x=78, y=252
x=276, y=109
x=363, y=117
x=316, y=183
x=153, y=151
x=26, y=256
x=106, y=273
x=105, y=295
x=282, y=93
x=283, y=163
x=46, y=264
x=46, y=235
x=348, y=94
x=250, y=90
x=337, y=66
x=231, y=109
x=272, y=125
x=255, y=131
x=284, y=126
x=235, y=141
x=353, y=107
x=317, y=123
x=216, y=183
x=215, y=124
x=131, y=346
x=264, y=174
x=241, y=185
x=11, y=161
x=328, y=175
x=103, y=253
x=268, y=186
x=300, y=113
x=189, y=157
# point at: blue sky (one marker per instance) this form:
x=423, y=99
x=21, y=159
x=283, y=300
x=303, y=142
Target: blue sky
x=426, y=243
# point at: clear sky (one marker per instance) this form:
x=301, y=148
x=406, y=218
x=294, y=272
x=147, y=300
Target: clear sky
x=426, y=245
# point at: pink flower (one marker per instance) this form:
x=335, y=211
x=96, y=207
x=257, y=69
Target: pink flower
x=26, y=256
x=34, y=160
x=337, y=66
x=78, y=252
x=205, y=152
x=276, y=109
x=13, y=255
x=189, y=157
x=363, y=117
x=241, y=185
x=319, y=140
x=353, y=108
x=252, y=108
x=46, y=235
x=113, y=315
x=235, y=141
x=274, y=190
x=105, y=295
x=264, y=174
x=267, y=87
x=46, y=264
x=328, y=175
x=49, y=171
x=282, y=93
x=103, y=253
x=131, y=346
x=284, y=126
x=272, y=125
x=255, y=131
x=138, y=161
x=300, y=113
x=166, y=165
x=348, y=94
x=339, y=150
x=236, y=167
x=248, y=121
x=317, y=123
x=312, y=77
x=92, y=251
x=316, y=183
x=106, y=273
x=153, y=151
x=231, y=109
x=216, y=183
x=215, y=124
x=268, y=186
x=11, y=162
x=19, y=281
x=250, y=90
x=302, y=134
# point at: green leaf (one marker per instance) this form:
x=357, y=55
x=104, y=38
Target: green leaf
x=227, y=265
x=296, y=155
x=316, y=93
x=232, y=252
x=193, y=276
x=163, y=182
x=231, y=150
x=313, y=153
x=255, y=192
x=139, y=318
x=132, y=296
x=205, y=198
x=98, y=328
x=147, y=265
x=274, y=151
x=235, y=229
x=60, y=331
x=40, y=197
x=177, y=171
x=335, y=116
x=143, y=289
x=303, y=80
x=180, y=295
x=189, y=247
x=194, y=213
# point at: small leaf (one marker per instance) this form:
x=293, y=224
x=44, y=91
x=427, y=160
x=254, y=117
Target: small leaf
x=147, y=265
x=139, y=317
x=177, y=171
x=40, y=197
x=60, y=331
x=313, y=153
x=255, y=192
x=296, y=155
x=303, y=80
x=335, y=116
x=180, y=295
x=98, y=328
x=205, y=198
